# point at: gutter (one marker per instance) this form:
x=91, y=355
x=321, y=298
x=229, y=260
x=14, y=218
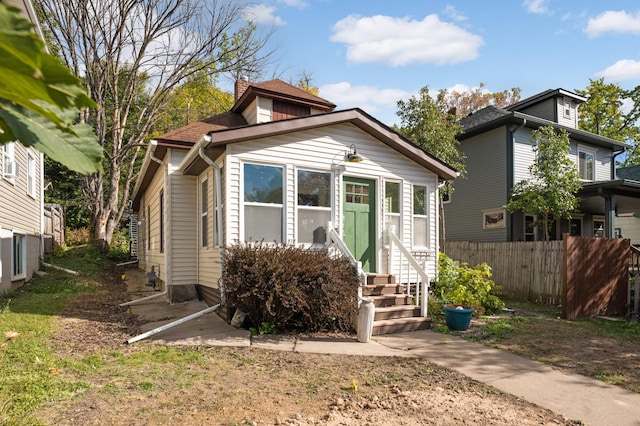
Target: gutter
x=218, y=217
x=613, y=158
x=152, y=147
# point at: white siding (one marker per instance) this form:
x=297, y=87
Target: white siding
x=180, y=223
x=324, y=149
x=151, y=203
x=251, y=112
x=265, y=108
x=20, y=212
x=209, y=268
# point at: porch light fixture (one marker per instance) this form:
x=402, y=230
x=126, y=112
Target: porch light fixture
x=353, y=156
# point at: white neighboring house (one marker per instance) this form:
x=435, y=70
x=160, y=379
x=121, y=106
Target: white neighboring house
x=21, y=202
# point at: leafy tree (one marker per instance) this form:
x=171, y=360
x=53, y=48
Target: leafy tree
x=40, y=99
x=132, y=55
x=426, y=121
x=305, y=82
x=197, y=99
x=551, y=192
x=603, y=114
x=465, y=103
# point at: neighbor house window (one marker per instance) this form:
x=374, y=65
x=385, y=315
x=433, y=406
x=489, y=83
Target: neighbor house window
x=420, y=220
x=492, y=219
x=204, y=213
x=161, y=221
x=598, y=227
x=31, y=175
x=18, y=256
x=392, y=205
x=586, y=163
x=9, y=165
x=566, y=110
x=314, y=206
x=575, y=226
x=529, y=227
x=263, y=203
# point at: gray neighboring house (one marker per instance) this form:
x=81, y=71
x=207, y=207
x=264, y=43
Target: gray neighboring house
x=21, y=201
x=627, y=224
x=498, y=149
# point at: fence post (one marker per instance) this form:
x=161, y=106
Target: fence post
x=636, y=294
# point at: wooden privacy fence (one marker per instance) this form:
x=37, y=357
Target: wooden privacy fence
x=596, y=276
x=588, y=276
x=529, y=271
x=54, y=225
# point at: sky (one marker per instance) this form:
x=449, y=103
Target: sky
x=372, y=53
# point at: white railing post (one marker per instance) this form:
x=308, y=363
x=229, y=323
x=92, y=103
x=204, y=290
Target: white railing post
x=422, y=279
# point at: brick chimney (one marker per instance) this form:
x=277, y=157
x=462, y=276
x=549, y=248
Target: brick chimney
x=240, y=87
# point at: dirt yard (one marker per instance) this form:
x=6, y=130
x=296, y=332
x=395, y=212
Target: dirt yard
x=143, y=384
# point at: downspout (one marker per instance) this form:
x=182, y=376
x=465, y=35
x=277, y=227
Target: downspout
x=218, y=217
x=613, y=158
x=152, y=147
x=510, y=173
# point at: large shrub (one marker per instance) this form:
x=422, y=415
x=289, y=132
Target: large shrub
x=290, y=288
x=462, y=285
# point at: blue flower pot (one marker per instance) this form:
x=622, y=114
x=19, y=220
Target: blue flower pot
x=457, y=319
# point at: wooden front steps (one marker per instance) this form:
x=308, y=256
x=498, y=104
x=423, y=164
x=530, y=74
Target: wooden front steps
x=395, y=311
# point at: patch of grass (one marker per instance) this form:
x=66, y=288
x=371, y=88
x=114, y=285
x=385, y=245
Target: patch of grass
x=29, y=373
x=87, y=259
x=614, y=379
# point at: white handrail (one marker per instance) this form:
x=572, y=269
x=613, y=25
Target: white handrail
x=394, y=240
x=334, y=237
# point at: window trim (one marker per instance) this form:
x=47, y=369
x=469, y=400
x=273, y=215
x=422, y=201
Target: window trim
x=566, y=107
x=534, y=226
x=9, y=155
x=282, y=206
x=424, y=244
x=590, y=151
x=161, y=221
x=330, y=209
x=148, y=227
x=23, y=274
x=204, y=212
x=595, y=219
x=502, y=223
x=393, y=214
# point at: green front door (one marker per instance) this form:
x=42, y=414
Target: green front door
x=359, y=198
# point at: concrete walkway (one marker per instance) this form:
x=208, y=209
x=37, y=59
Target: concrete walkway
x=573, y=396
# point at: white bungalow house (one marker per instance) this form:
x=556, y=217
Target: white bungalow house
x=283, y=166
x=21, y=202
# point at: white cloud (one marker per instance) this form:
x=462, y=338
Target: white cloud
x=452, y=13
x=401, y=41
x=294, y=3
x=624, y=69
x=536, y=6
x=615, y=22
x=370, y=99
x=263, y=14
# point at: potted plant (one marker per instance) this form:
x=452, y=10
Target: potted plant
x=464, y=291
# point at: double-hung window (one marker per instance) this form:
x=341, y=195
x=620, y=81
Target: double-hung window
x=420, y=219
x=161, y=225
x=263, y=203
x=392, y=205
x=586, y=163
x=314, y=205
x=9, y=164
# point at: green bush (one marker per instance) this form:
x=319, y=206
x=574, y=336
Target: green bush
x=119, y=247
x=462, y=285
x=290, y=288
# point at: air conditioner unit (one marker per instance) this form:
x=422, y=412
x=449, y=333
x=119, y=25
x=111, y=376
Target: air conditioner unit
x=10, y=169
